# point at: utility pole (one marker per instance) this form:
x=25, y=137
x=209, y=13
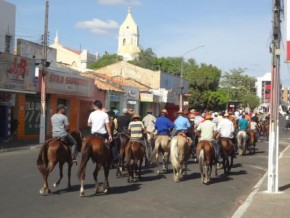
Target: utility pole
x=273, y=164
x=43, y=77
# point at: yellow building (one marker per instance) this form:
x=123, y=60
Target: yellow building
x=128, y=41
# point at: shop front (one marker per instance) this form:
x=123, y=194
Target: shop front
x=17, y=81
x=149, y=101
x=131, y=100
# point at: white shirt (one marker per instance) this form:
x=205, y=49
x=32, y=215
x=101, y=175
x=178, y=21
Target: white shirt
x=226, y=127
x=149, y=122
x=253, y=125
x=98, y=119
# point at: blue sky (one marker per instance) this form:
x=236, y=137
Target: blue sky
x=235, y=33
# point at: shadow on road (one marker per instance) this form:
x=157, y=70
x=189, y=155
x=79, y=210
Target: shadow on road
x=237, y=165
x=152, y=178
x=284, y=187
x=190, y=177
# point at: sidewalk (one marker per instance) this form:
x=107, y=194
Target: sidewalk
x=15, y=145
x=260, y=203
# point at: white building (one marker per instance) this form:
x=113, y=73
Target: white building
x=263, y=88
x=7, y=26
x=128, y=41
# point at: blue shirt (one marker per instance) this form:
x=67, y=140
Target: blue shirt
x=182, y=123
x=243, y=124
x=163, y=124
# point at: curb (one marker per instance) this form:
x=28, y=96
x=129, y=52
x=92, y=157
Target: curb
x=243, y=208
x=27, y=147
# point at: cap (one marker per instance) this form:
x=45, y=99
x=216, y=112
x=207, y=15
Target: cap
x=61, y=106
x=136, y=116
x=125, y=110
x=208, y=117
x=164, y=111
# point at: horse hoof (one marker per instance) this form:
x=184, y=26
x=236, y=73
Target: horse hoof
x=42, y=192
x=105, y=190
x=55, y=184
x=158, y=172
x=82, y=194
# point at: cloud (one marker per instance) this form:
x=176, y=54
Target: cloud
x=98, y=27
x=119, y=2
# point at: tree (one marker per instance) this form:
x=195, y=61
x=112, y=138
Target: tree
x=106, y=60
x=251, y=100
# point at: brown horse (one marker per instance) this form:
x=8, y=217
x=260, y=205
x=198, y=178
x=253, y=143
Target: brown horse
x=206, y=154
x=265, y=129
x=134, y=153
x=162, y=145
x=252, y=141
x=54, y=151
x=95, y=148
x=227, y=151
x=179, y=155
x=123, y=140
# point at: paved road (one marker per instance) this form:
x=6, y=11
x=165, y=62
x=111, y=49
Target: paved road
x=154, y=196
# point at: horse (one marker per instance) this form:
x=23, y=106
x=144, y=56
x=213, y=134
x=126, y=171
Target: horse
x=206, y=154
x=162, y=145
x=252, y=141
x=95, y=148
x=242, y=141
x=227, y=151
x=123, y=140
x=134, y=152
x=54, y=151
x=150, y=146
x=179, y=154
x=265, y=129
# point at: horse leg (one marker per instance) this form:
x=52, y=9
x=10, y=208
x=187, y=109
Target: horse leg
x=224, y=165
x=140, y=165
x=95, y=174
x=83, y=176
x=106, y=183
x=206, y=174
x=231, y=165
x=50, y=168
x=60, y=174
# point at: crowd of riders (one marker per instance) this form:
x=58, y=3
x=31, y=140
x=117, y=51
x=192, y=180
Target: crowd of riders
x=206, y=125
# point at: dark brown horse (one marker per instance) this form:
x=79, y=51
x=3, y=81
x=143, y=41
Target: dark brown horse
x=54, y=151
x=227, y=151
x=265, y=129
x=252, y=142
x=134, y=153
x=206, y=154
x=95, y=148
x=123, y=140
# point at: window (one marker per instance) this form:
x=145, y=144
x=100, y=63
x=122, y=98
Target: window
x=8, y=40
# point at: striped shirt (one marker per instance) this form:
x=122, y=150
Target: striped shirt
x=136, y=128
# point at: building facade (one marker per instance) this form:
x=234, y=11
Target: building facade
x=263, y=87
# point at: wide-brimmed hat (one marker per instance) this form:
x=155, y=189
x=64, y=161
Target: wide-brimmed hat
x=180, y=112
x=149, y=110
x=164, y=111
x=226, y=115
x=125, y=110
x=61, y=106
x=136, y=116
x=207, y=117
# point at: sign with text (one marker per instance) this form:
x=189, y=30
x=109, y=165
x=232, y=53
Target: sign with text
x=146, y=97
x=17, y=73
x=32, y=115
x=68, y=84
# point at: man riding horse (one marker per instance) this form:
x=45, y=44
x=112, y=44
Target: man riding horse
x=207, y=131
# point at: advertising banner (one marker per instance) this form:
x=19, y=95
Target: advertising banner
x=69, y=84
x=17, y=74
x=146, y=97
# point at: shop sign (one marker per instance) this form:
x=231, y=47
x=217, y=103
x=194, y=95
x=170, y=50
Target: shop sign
x=69, y=84
x=132, y=102
x=17, y=73
x=7, y=99
x=32, y=116
x=146, y=97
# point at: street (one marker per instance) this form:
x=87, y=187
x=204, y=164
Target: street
x=154, y=196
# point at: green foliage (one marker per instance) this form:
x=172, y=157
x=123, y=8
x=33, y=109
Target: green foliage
x=251, y=100
x=106, y=60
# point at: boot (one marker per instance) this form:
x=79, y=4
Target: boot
x=74, y=153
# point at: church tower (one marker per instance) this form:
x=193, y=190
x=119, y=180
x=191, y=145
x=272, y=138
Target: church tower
x=128, y=41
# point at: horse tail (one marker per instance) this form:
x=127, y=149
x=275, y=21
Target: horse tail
x=42, y=160
x=201, y=160
x=174, y=153
x=85, y=156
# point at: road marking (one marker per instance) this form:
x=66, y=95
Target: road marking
x=243, y=208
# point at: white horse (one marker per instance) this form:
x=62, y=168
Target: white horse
x=162, y=146
x=242, y=141
x=179, y=154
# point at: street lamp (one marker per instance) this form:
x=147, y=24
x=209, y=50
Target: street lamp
x=181, y=74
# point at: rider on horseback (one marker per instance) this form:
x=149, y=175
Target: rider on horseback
x=60, y=127
x=207, y=131
x=181, y=123
x=99, y=122
x=163, y=125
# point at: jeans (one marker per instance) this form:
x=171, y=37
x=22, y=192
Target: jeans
x=217, y=148
x=73, y=144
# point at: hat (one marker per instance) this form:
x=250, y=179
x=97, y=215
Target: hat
x=149, y=110
x=164, y=111
x=192, y=111
x=130, y=110
x=226, y=115
x=180, y=112
x=61, y=106
x=125, y=110
x=208, y=117
x=136, y=116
